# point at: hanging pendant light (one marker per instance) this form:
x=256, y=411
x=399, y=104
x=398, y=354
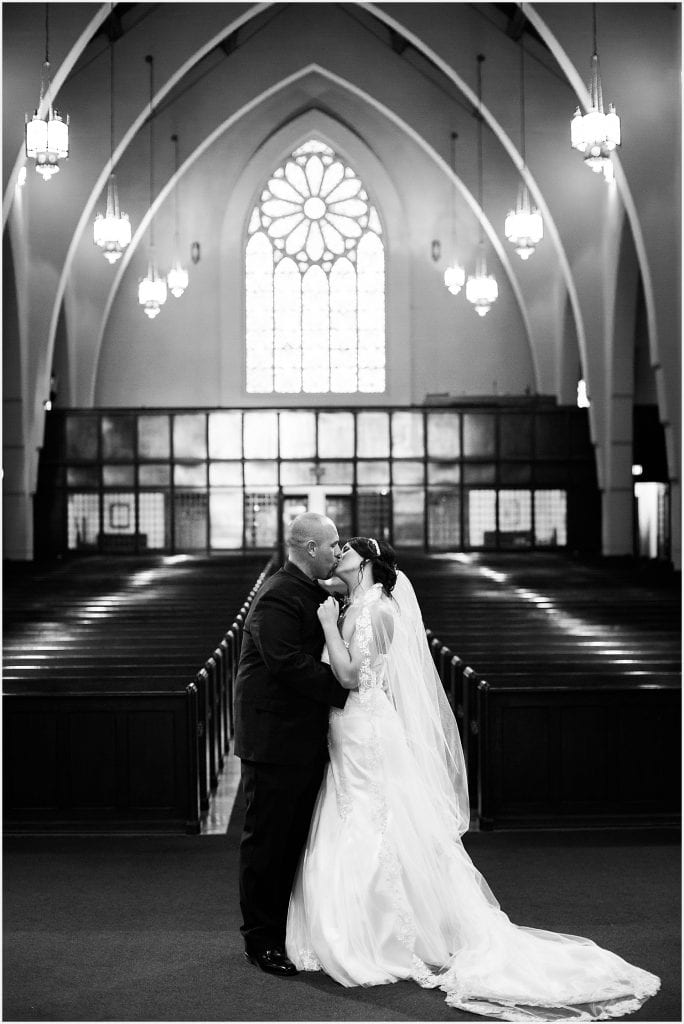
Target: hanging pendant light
x=524, y=227
x=177, y=277
x=46, y=138
x=481, y=288
x=152, y=289
x=454, y=275
x=596, y=134
x=112, y=232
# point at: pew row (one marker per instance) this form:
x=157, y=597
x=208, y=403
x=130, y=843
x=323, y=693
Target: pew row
x=575, y=750
x=113, y=740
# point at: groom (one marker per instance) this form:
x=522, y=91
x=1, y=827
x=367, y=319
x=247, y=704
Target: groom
x=283, y=694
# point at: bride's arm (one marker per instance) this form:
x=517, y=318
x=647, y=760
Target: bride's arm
x=346, y=664
x=340, y=662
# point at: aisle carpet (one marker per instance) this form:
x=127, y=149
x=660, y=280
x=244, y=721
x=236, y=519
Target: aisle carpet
x=146, y=929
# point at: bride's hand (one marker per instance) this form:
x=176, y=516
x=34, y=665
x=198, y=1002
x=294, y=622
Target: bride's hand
x=328, y=612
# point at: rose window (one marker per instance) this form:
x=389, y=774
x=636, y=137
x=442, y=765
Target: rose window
x=315, y=280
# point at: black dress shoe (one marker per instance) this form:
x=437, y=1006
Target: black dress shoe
x=273, y=961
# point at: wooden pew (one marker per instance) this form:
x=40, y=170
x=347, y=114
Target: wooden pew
x=138, y=674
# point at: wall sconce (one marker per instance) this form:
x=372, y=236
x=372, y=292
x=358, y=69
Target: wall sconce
x=195, y=252
x=436, y=250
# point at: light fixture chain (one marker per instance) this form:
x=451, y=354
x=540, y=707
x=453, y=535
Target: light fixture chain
x=150, y=61
x=174, y=139
x=47, y=34
x=480, y=60
x=454, y=136
x=111, y=92
x=522, y=102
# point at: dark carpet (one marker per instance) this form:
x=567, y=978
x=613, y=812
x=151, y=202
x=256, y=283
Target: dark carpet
x=146, y=929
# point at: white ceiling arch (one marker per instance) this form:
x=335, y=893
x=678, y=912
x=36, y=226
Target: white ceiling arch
x=624, y=190
x=391, y=116
x=395, y=24
x=126, y=140
x=515, y=156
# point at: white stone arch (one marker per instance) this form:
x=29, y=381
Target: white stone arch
x=384, y=196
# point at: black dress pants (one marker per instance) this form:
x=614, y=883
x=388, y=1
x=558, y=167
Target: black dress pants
x=279, y=799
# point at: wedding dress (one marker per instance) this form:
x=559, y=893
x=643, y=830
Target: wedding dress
x=385, y=890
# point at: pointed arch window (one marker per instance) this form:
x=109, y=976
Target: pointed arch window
x=315, y=280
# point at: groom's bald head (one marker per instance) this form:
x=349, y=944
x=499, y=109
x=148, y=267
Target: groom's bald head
x=313, y=544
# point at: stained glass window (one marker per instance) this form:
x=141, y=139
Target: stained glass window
x=315, y=280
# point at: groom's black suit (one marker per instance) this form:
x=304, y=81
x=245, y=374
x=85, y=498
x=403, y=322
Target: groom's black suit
x=283, y=694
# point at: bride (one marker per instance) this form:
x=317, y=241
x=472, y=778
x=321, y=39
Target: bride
x=385, y=890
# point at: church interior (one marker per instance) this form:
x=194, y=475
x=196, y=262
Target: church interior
x=413, y=266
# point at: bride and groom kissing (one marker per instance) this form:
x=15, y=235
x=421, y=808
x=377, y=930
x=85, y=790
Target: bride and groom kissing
x=351, y=860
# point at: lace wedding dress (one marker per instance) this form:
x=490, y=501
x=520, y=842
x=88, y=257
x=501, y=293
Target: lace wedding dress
x=385, y=890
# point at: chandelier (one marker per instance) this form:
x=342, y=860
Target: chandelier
x=112, y=232
x=152, y=289
x=596, y=134
x=481, y=288
x=46, y=138
x=177, y=277
x=454, y=275
x=524, y=227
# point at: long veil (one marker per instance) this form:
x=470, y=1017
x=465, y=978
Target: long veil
x=418, y=695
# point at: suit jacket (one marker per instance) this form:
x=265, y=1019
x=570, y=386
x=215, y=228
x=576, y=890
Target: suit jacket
x=283, y=692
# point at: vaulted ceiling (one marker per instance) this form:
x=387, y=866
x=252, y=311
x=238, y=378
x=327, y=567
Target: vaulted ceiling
x=391, y=82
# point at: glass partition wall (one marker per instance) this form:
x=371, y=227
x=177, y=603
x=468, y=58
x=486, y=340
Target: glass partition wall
x=456, y=478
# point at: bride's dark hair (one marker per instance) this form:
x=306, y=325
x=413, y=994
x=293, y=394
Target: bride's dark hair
x=382, y=558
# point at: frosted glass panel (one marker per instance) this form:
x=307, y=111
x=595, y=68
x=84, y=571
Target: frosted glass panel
x=83, y=476
x=407, y=434
x=225, y=516
x=225, y=474
x=261, y=435
x=515, y=518
x=407, y=472
x=297, y=435
x=481, y=519
x=372, y=473
x=83, y=519
x=225, y=435
x=444, y=518
x=444, y=473
x=189, y=476
x=261, y=519
x=153, y=519
x=479, y=473
x=372, y=434
x=153, y=437
x=479, y=434
x=297, y=473
x=335, y=435
x=118, y=512
x=443, y=437
x=261, y=473
x=336, y=472
x=118, y=437
x=81, y=437
x=409, y=516
x=189, y=436
x=550, y=517
x=118, y=476
x=515, y=435
x=154, y=475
